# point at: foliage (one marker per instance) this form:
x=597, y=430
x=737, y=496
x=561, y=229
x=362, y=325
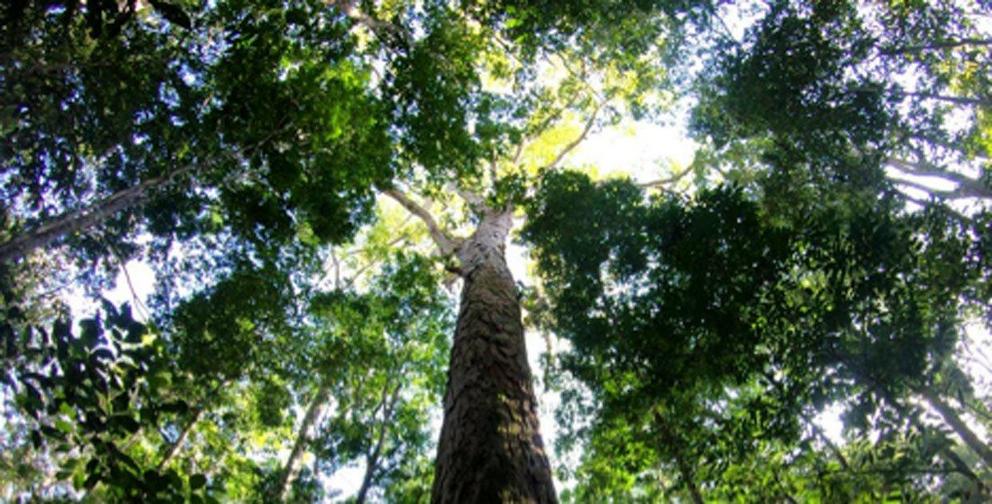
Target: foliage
x=714, y=324
x=87, y=393
x=239, y=148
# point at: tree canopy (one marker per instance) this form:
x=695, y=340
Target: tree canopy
x=332, y=196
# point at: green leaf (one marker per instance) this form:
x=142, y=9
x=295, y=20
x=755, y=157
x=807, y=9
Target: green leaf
x=197, y=481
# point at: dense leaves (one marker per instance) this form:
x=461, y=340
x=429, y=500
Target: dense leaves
x=719, y=323
x=831, y=256
x=85, y=394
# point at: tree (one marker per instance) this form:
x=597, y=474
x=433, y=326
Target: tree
x=789, y=314
x=710, y=318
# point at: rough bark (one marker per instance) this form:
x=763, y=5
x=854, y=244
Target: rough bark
x=960, y=427
x=490, y=448
x=84, y=218
x=292, y=467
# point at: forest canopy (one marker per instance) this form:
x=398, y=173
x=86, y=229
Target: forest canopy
x=393, y=256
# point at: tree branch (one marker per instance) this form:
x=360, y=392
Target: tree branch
x=826, y=440
x=445, y=244
x=337, y=270
x=372, y=458
x=946, y=44
x=291, y=467
x=967, y=187
x=958, y=100
x=578, y=141
x=959, y=426
x=665, y=181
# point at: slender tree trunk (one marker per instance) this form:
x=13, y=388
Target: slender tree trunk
x=292, y=467
x=684, y=467
x=960, y=427
x=371, y=466
x=689, y=478
x=372, y=458
x=181, y=440
x=490, y=448
x=962, y=467
x=85, y=218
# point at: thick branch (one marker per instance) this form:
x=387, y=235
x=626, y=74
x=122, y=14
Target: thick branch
x=85, y=218
x=940, y=193
x=961, y=466
x=967, y=187
x=960, y=427
x=445, y=244
x=946, y=453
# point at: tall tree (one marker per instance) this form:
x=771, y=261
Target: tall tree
x=240, y=147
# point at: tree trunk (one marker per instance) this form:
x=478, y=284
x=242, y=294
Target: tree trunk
x=960, y=427
x=684, y=467
x=292, y=466
x=372, y=458
x=181, y=440
x=490, y=448
x=84, y=218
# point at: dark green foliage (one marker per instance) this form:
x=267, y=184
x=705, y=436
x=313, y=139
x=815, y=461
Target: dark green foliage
x=430, y=87
x=726, y=319
x=288, y=93
x=228, y=330
x=793, y=81
x=262, y=121
x=87, y=392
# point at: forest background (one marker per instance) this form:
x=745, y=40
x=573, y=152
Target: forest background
x=324, y=193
